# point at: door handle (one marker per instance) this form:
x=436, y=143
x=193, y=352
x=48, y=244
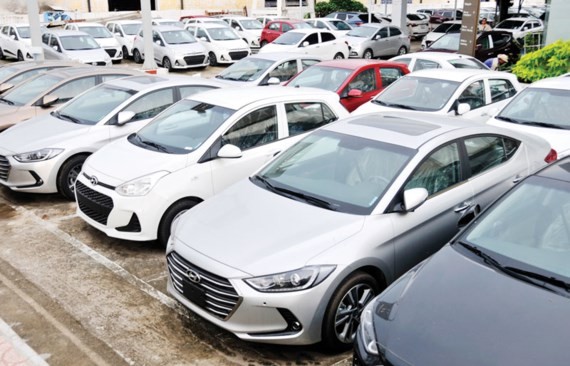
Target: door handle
x=464, y=206
x=518, y=178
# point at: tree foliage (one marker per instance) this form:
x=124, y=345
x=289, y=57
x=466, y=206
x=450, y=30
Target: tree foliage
x=552, y=60
x=324, y=8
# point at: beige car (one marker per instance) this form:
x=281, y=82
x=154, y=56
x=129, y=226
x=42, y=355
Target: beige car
x=43, y=92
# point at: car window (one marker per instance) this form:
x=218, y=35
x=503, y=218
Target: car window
x=254, y=129
x=327, y=37
x=486, y=152
x=308, y=63
x=151, y=104
x=484, y=42
x=320, y=25
x=192, y=89
x=306, y=116
x=312, y=39
x=474, y=95
x=201, y=33
x=53, y=43
x=500, y=40
x=5, y=30
x=71, y=89
x=285, y=27
x=422, y=64
x=110, y=27
x=383, y=33
x=501, y=89
x=454, y=28
x=274, y=26
x=12, y=32
x=394, y=32
x=364, y=81
x=341, y=16
x=389, y=75
x=405, y=60
x=441, y=170
x=284, y=71
x=45, y=38
x=468, y=63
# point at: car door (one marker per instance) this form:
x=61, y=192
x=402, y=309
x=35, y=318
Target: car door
x=365, y=80
x=421, y=233
x=484, y=49
x=312, y=46
x=380, y=43
x=475, y=95
x=56, y=49
x=12, y=42
x=159, y=47
x=272, y=32
x=330, y=45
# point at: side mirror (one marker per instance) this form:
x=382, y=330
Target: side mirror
x=305, y=44
x=204, y=39
x=273, y=81
x=5, y=87
x=237, y=28
x=49, y=100
x=56, y=48
x=414, y=198
x=355, y=93
x=124, y=117
x=13, y=37
x=229, y=151
x=376, y=37
x=118, y=34
x=463, y=108
x=158, y=42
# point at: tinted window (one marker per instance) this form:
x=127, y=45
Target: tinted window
x=255, y=129
x=285, y=71
x=274, y=26
x=394, y=32
x=286, y=27
x=389, y=75
x=45, y=38
x=486, y=152
x=327, y=37
x=405, y=60
x=441, y=170
x=501, y=89
x=365, y=81
x=383, y=33
x=468, y=63
x=151, y=104
x=312, y=39
x=422, y=64
x=303, y=117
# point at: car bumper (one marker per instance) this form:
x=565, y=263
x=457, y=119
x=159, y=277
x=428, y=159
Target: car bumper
x=190, y=61
x=362, y=358
x=38, y=177
x=229, y=57
x=115, y=53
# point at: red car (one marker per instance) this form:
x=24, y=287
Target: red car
x=355, y=80
x=276, y=28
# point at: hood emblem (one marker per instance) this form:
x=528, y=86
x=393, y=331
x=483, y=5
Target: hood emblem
x=94, y=181
x=193, y=276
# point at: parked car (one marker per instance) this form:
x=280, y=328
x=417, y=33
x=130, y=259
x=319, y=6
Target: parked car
x=125, y=32
x=356, y=81
x=216, y=138
x=13, y=74
x=418, y=25
x=102, y=36
x=488, y=45
x=42, y=93
x=541, y=109
x=467, y=296
x=223, y=44
x=331, y=221
x=452, y=26
x=311, y=41
x=426, y=11
x=266, y=69
x=174, y=48
x=205, y=19
x=443, y=15
x=338, y=27
x=356, y=19
x=276, y=28
x=439, y=60
x=375, y=40
x=520, y=27
x=471, y=94
x=249, y=29
x=15, y=42
x=269, y=18
x=73, y=46
x=45, y=154
x=167, y=22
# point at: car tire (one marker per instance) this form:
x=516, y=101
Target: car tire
x=263, y=44
x=213, y=59
x=338, y=56
x=125, y=53
x=368, y=54
x=137, y=56
x=68, y=174
x=177, y=209
x=20, y=56
x=339, y=331
x=402, y=51
x=167, y=64
x=2, y=56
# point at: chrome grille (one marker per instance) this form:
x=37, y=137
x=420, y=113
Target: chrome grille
x=92, y=203
x=213, y=293
x=4, y=168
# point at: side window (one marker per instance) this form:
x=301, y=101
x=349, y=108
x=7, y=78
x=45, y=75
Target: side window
x=441, y=170
x=45, y=38
x=320, y=25
x=501, y=89
x=151, y=104
x=327, y=37
x=308, y=63
x=486, y=152
x=5, y=30
x=405, y=61
x=189, y=90
x=274, y=27
x=394, y=32
x=389, y=75
x=312, y=39
x=365, y=81
x=383, y=33
x=303, y=117
x=73, y=88
x=111, y=27
x=53, y=43
x=422, y=64
x=13, y=32
x=235, y=25
x=285, y=27
x=156, y=37
x=474, y=95
x=255, y=129
x=484, y=42
x=201, y=33
x=499, y=40
x=285, y=71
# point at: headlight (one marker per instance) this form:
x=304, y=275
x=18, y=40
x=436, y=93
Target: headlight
x=38, y=155
x=367, y=328
x=140, y=186
x=295, y=280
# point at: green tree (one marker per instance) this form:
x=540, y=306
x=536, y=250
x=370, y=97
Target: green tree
x=324, y=8
x=550, y=61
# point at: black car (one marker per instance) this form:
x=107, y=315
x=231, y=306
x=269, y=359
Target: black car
x=497, y=294
x=443, y=15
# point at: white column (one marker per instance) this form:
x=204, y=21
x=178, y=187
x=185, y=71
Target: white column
x=149, y=63
x=399, y=11
x=35, y=31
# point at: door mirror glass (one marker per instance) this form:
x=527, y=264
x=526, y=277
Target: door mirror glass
x=273, y=81
x=204, y=39
x=49, y=100
x=229, y=151
x=118, y=34
x=376, y=37
x=463, y=108
x=124, y=117
x=414, y=198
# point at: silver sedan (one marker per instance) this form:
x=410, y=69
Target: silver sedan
x=374, y=40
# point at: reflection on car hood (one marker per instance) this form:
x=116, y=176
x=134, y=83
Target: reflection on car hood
x=6, y=109
x=108, y=42
x=455, y=311
x=38, y=133
x=86, y=56
x=187, y=48
x=258, y=232
x=353, y=41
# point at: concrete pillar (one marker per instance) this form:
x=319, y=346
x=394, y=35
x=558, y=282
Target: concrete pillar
x=149, y=63
x=399, y=11
x=35, y=30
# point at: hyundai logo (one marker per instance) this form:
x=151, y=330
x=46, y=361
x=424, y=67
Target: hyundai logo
x=94, y=181
x=193, y=276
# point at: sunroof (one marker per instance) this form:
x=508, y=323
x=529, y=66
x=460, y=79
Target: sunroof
x=396, y=124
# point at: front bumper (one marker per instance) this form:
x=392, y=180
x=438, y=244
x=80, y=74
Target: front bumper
x=115, y=53
x=38, y=177
x=231, y=56
x=191, y=61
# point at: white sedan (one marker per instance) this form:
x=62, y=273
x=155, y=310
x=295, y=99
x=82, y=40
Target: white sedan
x=337, y=26
x=439, y=60
x=223, y=44
x=472, y=94
x=309, y=41
x=520, y=27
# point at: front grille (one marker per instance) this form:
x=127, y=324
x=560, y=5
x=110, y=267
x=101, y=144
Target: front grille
x=213, y=293
x=92, y=203
x=4, y=168
x=238, y=55
x=98, y=63
x=195, y=60
x=112, y=52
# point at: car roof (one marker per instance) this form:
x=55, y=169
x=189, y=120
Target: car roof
x=458, y=75
x=559, y=170
x=235, y=98
x=88, y=24
x=434, y=55
x=165, y=28
x=208, y=25
x=277, y=56
x=70, y=72
x=562, y=83
x=66, y=32
x=452, y=22
x=144, y=81
x=355, y=63
x=308, y=30
x=378, y=25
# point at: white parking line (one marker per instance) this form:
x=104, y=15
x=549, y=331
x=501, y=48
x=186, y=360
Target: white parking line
x=15, y=351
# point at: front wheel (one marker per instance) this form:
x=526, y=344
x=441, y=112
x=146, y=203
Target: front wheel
x=167, y=64
x=338, y=56
x=342, y=315
x=263, y=43
x=125, y=53
x=402, y=51
x=137, y=56
x=213, y=59
x=169, y=216
x=68, y=174
x=367, y=54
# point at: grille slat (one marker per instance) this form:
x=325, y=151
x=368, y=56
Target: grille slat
x=238, y=55
x=218, y=296
x=4, y=168
x=93, y=204
x=195, y=60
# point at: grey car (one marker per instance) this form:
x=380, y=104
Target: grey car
x=293, y=254
x=374, y=40
x=74, y=46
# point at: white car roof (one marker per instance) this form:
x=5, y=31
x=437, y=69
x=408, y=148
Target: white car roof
x=66, y=32
x=459, y=75
x=207, y=25
x=562, y=83
x=165, y=28
x=307, y=30
x=88, y=24
x=145, y=81
x=125, y=21
x=438, y=56
x=278, y=56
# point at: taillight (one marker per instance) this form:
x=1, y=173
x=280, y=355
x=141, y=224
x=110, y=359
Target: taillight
x=358, y=24
x=552, y=156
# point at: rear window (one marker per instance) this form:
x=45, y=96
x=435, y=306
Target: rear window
x=468, y=63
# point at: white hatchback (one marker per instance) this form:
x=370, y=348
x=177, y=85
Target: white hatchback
x=192, y=151
x=73, y=46
x=439, y=60
x=223, y=44
x=125, y=32
x=102, y=36
x=249, y=29
x=337, y=26
x=309, y=41
x=15, y=42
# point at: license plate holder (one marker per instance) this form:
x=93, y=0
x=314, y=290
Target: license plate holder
x=194, y=293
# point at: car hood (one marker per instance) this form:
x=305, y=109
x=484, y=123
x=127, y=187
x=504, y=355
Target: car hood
x=183, y=49
x=432, y=36
x=354, y=41
x=121, y=161
x=454, y=310
x=272, y=47
x=6, y=109
x=108, y=42
x=253, y=32
x=258, y=232
x=38, y=133
x=232, y=45
x=86, y=56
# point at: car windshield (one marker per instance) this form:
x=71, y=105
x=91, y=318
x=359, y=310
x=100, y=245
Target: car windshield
x=539, y=106
x=247, y=69
x=449, y=41
x=362, y=32
x=442, y=28
x=509, y=24
x=251, y=24
x=29, y=91
x=417, y=93
x=468, y=63
x=97, y=32
x=178, y=37
x=131, y=29
x=90, y=108
x=339, y=25
x=223, y=34
x=183, y=127
x=77, y=43
x=302, y=25
x=322, y=77
x=24, y=32
x=340, y=172
x=529, y=228
x=289, y=38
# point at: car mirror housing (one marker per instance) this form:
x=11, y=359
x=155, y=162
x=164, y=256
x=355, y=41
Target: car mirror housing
x=355, y=93
x=229, y=151
x=124, y=117
x=273, y=81
x=49, y=100
x=463, y=108
x=414, y=198
x=305, y=44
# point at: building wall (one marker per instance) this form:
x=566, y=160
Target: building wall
x=557, y=21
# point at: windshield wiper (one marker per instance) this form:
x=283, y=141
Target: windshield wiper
x=6, y=101
x=401, y=106
x=508, y=119
x=550, y=280
x=158, y=147
x=544, y=124
x=294, y=194
x=66, y=117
